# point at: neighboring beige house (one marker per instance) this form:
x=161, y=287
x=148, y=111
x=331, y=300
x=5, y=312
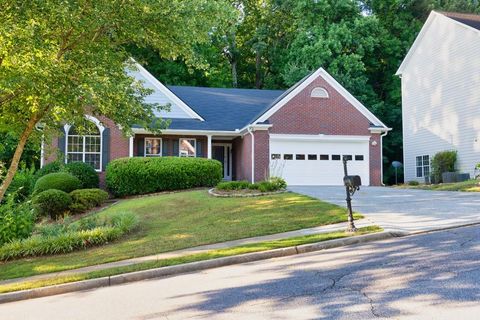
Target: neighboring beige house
x=441, y=94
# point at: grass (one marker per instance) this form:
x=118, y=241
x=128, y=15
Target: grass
x=213, y=254
x=187, y=219
x=466, y=186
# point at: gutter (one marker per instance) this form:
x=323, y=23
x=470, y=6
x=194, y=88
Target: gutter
x=249, y=129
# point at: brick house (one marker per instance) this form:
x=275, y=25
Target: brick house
x=300, y=134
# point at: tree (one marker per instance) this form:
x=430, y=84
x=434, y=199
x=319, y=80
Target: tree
x=61, y=59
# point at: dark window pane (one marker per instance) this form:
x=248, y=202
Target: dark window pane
x=426, y=160
x=288, y=157
x=358, y=157
x=419, y=172
x=312, y=157
x=324, y=157
x=335, y=157
x=276, y=156
x=299, y=157
x=347, y=156
x=419, y=161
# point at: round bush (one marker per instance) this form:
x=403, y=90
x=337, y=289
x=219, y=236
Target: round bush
x=129, y=176
x=61, y=181
x=84, y=172
x=51, y=167
x=52, y=203
x=85, y=199
x=16, y=221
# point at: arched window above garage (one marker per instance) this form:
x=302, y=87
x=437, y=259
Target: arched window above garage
x=319, y=92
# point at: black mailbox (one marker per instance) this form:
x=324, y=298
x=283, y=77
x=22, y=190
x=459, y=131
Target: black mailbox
x=352, y=181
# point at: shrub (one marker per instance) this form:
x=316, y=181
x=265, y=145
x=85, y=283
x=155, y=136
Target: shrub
x=84, y=172
x=60, y=180
x=279, y=183
x=413, y=183
x=70, y=239
x=53, y=203
x=129, y=176
x=16, y=221
x=233, y=185
x=443, y=161
x=274, y=184
x=22, y=184
x=51, y=167
x=85, y=199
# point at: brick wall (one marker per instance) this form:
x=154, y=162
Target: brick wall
x=306, y=115
x=262, y=154
x=241, y=153
x=375, y=160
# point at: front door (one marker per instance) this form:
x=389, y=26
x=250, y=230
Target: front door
x=223, y=153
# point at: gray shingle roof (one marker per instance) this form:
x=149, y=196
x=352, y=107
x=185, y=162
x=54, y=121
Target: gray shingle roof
x=472, y=20
x=222, y=109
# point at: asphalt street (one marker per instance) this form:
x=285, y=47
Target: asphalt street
x=427, y=276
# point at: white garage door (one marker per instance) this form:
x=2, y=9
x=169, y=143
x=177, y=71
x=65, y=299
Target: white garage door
x=317, y=160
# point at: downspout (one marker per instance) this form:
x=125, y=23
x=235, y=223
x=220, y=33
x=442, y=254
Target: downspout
x=381, y=155
x=249, y=129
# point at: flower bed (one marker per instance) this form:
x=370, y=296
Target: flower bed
x=247, y=189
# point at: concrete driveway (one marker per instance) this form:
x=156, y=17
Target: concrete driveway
x=405, y=210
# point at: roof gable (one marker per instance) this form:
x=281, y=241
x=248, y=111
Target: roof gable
x=302, y=84
x=162, y=96
x=467, y=21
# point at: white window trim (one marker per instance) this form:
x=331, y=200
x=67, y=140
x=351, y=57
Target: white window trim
x=151, y=154
x=180, y=147
x=422, y=165
x=100, y=127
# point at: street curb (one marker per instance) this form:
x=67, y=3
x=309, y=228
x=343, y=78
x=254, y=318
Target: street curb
x=191, y=267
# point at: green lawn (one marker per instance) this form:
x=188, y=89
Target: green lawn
x=213, y=254
x=187, y=219
x=467, y=186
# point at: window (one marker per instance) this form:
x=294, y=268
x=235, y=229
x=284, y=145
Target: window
x=153, y=147
x=288, y=157
x=312, y=157
x=324, y=157
x=276, y=156
x=299, y=157
x=358, y=157
x=188, y=147
x=347, y=156
x=335, y=157
x=319, y=92
x=84, y=146
x=423, y=166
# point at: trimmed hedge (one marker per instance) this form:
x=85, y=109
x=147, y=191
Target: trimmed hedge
x=130, y=176
x=60, y=180
x=51, y=203
x=84, y=172
x=274, y=184
x=51, y=167
x=85, y=199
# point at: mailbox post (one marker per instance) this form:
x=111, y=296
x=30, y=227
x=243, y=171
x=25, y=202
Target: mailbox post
x=352, y=184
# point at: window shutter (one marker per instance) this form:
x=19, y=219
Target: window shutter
x=176, y=148
x=141, y=147
x=164, y=147
x=199, y=149
x=61, y=142
x=105, y=148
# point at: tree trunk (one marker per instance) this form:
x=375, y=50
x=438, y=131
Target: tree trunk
x=258, y=70
x=16, y=157
x=234, y=74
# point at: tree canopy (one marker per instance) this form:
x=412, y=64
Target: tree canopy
x=60, y=59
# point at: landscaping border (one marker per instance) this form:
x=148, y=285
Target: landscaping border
x=245, y=195
x=191, y=267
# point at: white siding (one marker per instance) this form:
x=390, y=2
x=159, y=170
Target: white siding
x=441, y=96
x=159, y=97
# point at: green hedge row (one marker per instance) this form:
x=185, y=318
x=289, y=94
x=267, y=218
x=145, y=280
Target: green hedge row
x=131, y=176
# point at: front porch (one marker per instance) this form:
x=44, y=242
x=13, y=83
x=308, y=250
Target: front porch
x=221, y=148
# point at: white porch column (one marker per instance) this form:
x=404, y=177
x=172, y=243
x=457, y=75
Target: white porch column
x=130, y=146
x=209, y=146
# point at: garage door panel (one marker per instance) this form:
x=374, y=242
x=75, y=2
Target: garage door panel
x=318, y=172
